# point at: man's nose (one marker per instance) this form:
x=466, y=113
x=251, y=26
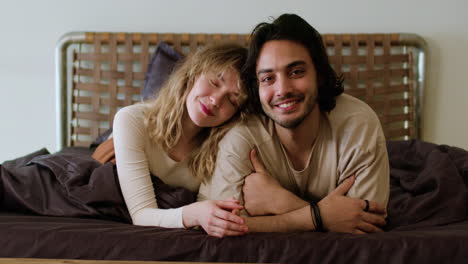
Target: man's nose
x=283, y=86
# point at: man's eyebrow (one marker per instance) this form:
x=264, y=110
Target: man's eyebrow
x=264, y=71
x=290, y=65
x=295, y=63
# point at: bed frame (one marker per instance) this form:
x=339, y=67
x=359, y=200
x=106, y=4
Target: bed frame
x=97, y=73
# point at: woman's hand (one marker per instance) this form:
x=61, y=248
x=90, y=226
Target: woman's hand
x=217, y=217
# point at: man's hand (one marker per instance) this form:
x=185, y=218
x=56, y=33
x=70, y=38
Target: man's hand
x=263, y=195
x=344, y=214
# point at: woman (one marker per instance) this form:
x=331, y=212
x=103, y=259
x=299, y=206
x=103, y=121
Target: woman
x=175, y=137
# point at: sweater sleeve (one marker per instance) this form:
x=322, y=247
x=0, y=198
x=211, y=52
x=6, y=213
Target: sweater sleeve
x=232, y=166
x=364, y=154
x=133, y=171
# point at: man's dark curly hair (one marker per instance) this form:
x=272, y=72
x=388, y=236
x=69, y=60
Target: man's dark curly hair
x=294, y=28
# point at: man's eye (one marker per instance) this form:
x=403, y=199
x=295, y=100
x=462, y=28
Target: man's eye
x=297, y=72
x=266, y=79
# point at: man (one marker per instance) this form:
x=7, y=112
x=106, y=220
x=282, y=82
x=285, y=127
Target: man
x=314, y=144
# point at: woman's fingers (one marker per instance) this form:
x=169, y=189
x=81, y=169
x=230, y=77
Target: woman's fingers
x=220, y=228
x=232, y=199
x=220, y=232
x=228, y=225
x=229, y=205
x=217, y=218
x=229, y=216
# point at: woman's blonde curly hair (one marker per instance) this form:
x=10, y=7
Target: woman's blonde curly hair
x=163, y=118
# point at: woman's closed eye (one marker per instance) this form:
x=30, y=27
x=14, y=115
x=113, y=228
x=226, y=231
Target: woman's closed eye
x=234, y=99
x=215, y=82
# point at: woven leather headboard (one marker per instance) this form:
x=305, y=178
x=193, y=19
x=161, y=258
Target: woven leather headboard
x=98, y=73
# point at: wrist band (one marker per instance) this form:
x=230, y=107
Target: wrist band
x=318, y=219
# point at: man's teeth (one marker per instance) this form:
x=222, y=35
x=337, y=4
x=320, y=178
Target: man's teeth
x=287, y=104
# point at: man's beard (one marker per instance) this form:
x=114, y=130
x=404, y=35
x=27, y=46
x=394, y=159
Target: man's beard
x=290, y=124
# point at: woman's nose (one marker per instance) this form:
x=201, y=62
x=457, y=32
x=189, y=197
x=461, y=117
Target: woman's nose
x=215, y=99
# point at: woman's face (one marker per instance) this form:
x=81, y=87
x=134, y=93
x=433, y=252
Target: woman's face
x=213, y=98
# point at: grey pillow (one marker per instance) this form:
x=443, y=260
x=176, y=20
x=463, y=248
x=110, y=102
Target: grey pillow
x=160, y=67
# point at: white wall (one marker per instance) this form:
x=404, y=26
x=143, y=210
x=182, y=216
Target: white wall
x=30, y=29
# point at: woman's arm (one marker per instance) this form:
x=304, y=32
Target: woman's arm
x=134, y=174
x=137, y=188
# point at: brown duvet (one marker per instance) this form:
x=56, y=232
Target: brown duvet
x=66, y=205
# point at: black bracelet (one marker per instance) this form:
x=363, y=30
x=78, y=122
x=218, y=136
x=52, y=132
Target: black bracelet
x=318, y=219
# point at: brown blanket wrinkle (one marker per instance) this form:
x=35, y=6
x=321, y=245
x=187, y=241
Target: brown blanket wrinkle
x=62, y=184
x=428, y=184
x=72, y=183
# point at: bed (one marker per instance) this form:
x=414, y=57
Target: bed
x=84, y=216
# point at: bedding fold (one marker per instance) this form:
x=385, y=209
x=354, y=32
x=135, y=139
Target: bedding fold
x=71, y=183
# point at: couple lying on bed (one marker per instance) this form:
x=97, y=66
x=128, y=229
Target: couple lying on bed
x=310, y=158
